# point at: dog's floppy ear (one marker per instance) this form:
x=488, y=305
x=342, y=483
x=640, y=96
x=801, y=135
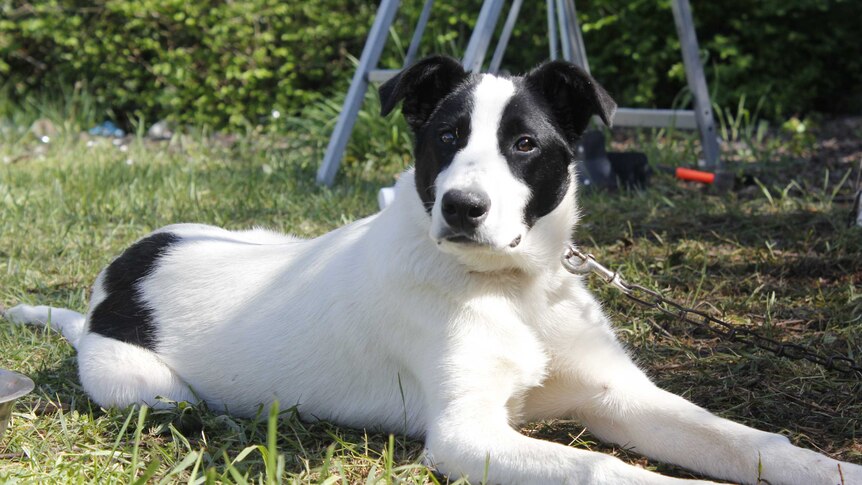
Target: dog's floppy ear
x=422, y=86
x=573, y=95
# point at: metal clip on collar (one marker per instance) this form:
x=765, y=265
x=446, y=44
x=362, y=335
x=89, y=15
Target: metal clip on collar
x=579, y=263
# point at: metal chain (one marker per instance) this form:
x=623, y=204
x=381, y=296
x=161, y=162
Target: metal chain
x=577, y=262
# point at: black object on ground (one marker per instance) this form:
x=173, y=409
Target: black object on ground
x=631, y=170
x=611, y=170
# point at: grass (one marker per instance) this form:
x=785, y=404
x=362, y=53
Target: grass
x=776, y=256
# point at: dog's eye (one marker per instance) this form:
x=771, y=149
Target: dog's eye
x=525, y=144
x=448, y=137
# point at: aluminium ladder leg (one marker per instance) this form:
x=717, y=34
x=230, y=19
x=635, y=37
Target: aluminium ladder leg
x=477, y=47
x=383, y=19
x=505, y=35
x=697, y=83
x=552, y=30
x=347, y=118
x=417, y=33
x=570, y=35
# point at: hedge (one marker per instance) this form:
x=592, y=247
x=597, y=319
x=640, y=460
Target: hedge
x=232, y=62
x=202, y=62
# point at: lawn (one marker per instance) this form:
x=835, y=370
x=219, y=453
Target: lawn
x=775, y=255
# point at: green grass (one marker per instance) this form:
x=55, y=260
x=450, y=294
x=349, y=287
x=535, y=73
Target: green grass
x=770, y=256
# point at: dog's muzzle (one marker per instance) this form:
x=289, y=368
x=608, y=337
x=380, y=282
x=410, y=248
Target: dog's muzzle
x=464, y=211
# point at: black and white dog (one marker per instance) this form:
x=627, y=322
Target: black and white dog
x=449, y=307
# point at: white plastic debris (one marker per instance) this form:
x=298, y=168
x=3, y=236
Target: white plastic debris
x=385, y=197
x=43, y=128
x=160, y=131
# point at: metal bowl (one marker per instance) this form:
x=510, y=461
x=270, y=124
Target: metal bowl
x=12, y=386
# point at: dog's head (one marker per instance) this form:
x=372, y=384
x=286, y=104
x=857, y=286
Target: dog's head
x=494, y=155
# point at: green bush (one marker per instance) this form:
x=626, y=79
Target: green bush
x=224, y=62
x=205, y=62
x=796, y=55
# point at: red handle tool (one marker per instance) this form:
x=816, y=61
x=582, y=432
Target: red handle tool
x=694, y=175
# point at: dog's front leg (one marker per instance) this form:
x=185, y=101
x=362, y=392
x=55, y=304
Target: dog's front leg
x=469, y=433
x=669, y=428
x=593, y=378
x=664, y=426
x=490, y=451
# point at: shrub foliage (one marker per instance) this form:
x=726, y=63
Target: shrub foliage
x=205, y=62
x=231, y=62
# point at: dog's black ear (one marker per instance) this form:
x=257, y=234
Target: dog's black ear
x=422, y=86
x=574, y=96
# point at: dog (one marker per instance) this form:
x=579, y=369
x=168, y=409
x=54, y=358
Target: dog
x=447, y=315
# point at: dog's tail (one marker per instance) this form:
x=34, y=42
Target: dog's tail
x=69, y=322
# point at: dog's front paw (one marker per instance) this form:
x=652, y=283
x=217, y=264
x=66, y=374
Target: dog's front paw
x=833, y=472
x=616, y=471
x=798, y=465
x=849, y=473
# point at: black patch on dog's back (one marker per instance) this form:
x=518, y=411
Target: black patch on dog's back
x=123, y=315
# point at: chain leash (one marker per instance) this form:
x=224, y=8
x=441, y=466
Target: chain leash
x=576, y=262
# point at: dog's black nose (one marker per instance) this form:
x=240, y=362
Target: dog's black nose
x=464, y=210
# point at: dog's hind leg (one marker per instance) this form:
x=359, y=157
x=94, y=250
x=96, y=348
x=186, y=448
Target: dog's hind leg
x=69, y=322
x=113, y=373
x=117, y=374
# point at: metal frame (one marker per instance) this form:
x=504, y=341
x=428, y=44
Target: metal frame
x=480, y=39
x=505, y=35
x=370, y=56
x=561, y=15
x=697, y=83
x=570, y=34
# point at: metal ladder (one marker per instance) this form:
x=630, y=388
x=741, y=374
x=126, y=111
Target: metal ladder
x=562, y=23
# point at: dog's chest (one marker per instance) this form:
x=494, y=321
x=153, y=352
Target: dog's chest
x=505, y=337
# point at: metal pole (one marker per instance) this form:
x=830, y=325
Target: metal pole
x=578, y=39
x=697, y=83
x=417, y=33
x=370, y=56
x=497, y=58
x=552, y=30
x=474, y=56
x=565, y=37
x=570, y=34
